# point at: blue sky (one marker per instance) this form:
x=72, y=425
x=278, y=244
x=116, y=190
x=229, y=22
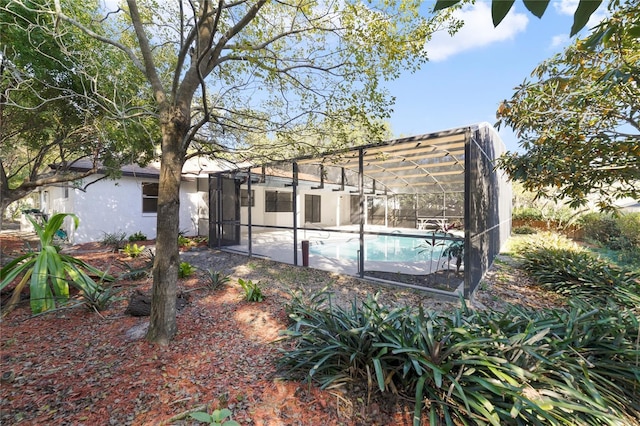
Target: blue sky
x=468, y=75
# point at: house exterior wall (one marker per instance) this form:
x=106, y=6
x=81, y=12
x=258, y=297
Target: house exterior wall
x=109, y=206
x=332, y=209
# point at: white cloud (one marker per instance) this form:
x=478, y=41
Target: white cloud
x=478, y=31
x=560, y=40
x=568, y=7
x=565, y=7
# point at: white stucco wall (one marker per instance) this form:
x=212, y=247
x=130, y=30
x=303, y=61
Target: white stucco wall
x=332, y=205
x=109, y=206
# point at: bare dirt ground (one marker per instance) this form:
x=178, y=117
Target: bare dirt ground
x=74, y=366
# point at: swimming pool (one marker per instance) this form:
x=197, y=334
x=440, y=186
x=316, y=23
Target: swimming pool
x=383, y=248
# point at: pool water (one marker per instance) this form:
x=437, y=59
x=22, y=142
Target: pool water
x=383, y=248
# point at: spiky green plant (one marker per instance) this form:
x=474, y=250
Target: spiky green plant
x=216, y=279
x=50, y=272
x=252, y=291
x=561, y=366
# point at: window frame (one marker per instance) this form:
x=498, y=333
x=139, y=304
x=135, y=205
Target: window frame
x=312, y=213
x=281, y=202
x=151, y=196
x=244, y=197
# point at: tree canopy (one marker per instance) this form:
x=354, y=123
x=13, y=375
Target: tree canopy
x=578, y=120
x=53, y=108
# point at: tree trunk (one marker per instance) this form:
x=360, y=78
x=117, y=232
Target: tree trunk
x=162, y=326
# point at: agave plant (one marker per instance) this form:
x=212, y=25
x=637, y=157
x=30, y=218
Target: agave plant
x=50, y=272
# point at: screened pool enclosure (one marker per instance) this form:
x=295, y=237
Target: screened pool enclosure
x=429, y=212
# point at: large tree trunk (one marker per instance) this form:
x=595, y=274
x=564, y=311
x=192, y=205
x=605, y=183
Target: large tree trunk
x=162, y=326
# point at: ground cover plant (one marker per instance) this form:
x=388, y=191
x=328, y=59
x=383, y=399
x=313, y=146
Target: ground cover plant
x=558, y=264
x=476, y=367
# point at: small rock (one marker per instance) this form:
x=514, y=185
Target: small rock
x=137, y=332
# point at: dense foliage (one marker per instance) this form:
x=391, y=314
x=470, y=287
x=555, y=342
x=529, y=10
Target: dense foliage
x=476, y=367
x=578, y=119
x=562, y=266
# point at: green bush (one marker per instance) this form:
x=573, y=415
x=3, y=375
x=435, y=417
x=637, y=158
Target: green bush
x=527, y=213
x=600, y=228
x=562, y=366
x=629, y=225
x=186, y=270
x=252, y=291
x=138, y=236
x=524, y=230
x=561, y=266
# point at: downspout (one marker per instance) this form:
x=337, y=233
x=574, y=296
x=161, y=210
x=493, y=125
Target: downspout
x=362, y=212
x=295, y=213
x=249, y=208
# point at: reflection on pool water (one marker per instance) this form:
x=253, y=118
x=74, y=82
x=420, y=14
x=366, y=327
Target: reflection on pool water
x=383, y=248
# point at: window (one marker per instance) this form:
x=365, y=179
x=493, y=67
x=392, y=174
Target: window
x=312, y=208
x=278, y=201
x=244, y=198
x=149, y=197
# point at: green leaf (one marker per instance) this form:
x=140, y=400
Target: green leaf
x=443, y=4
x=417, y=411
x=201, y=417
x=219, y=415
x=15, y=268
x=583, y=13
x=38, y=287
x=379, y=374
x=537, y=7
x=499, y=10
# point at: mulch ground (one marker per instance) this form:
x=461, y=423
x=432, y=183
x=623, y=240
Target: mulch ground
x=74, y=366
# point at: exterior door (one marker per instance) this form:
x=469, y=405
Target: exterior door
x=224, y=211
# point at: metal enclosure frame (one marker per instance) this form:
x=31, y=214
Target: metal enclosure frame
x=456, y=161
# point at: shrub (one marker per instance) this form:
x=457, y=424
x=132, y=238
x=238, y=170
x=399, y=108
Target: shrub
x=216, y=279
x=629, y=225
x=527, y=213
x=133, y=250
x=475, y=367
x=599, y=228
x=524, y=230
x=114, y=240
x=252, y=291
x=186, y=270
x=138, y=236
x=561, y=266
x=50, y=272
